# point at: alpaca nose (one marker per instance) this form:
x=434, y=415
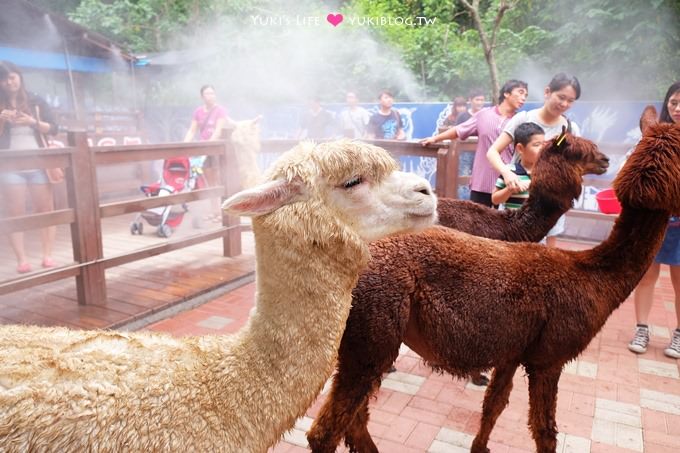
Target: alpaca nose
x=423, y=189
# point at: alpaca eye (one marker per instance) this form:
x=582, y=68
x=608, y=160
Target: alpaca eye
x=353, y=182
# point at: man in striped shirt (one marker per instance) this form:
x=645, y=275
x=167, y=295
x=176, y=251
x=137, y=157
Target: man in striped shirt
x=487, y=125
x=529, y=139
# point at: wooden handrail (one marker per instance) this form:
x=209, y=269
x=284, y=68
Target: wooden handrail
x=168, y=246
x=33, y=221
x=29, y=159
x=140, y=204
x=107, y=155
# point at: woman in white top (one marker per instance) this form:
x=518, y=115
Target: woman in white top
x=560, y=94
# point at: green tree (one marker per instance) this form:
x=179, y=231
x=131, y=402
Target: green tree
x=488, y=35
x=447, y=56
x=153, y=25
x=619, y=48
x=142, y=25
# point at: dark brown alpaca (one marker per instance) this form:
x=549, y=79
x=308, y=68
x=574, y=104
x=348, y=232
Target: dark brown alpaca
x=556, y=181
x=466, y=304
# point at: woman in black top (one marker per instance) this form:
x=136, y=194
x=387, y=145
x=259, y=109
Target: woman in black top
x=25, y=118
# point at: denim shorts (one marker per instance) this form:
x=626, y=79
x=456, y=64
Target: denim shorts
x=670, y=248
x=24, y=177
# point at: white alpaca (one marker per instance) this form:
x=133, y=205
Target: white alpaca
x=74, y=391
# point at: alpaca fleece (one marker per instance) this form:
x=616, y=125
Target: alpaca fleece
x=555, y=182
x=466, y=304
x=63, y=390
x=246, y=141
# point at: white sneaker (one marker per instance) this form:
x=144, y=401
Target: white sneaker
x=639, y=342
x=673, y=349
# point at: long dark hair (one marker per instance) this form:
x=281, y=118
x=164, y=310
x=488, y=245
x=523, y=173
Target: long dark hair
x=6, y=68
x=562, y=80
x=665, y=116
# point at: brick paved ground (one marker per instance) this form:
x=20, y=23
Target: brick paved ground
x=610, y=400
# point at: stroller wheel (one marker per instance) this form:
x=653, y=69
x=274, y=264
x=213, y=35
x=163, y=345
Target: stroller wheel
x=136, y=228
x=164, y=231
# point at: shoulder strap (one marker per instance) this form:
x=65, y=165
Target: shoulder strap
x=41, y=137
x=207, y=118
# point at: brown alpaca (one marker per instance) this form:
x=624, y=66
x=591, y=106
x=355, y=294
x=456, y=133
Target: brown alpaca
x=466, y=304
x=555, y=182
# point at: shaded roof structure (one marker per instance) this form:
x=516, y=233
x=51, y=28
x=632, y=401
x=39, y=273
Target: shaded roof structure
x=33, y=37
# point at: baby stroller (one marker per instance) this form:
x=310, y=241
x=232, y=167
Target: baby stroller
x=178, y=176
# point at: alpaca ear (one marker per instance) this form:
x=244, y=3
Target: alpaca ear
x=265, y=198
x=561, y=140
x=648, y=118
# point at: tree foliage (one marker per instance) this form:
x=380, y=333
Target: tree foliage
x=618, y=48
x=447, y=56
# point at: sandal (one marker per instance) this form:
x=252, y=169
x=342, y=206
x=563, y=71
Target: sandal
x=48, y=262
x=24, y=268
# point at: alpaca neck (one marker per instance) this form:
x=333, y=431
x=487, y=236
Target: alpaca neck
x=284, y=355
x=626, y=254
x=536, y=217
x=551, y=193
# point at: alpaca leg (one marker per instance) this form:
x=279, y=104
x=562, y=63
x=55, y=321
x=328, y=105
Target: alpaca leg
x=357, y=437
x=542, y=408
x=495, y=400
x=347, y=401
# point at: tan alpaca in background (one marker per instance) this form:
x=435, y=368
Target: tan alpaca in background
x=72, y=391
x=247, y=145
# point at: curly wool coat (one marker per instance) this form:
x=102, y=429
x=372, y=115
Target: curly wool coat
x=466, y=304
x=72, y=391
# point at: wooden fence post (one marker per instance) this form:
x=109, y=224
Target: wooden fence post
x=86, y=231
x=447, y=170
x=231, y=180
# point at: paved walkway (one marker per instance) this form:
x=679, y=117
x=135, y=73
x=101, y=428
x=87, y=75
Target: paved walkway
x=610, y=400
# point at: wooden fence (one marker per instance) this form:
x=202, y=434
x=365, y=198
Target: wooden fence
x=84, y=210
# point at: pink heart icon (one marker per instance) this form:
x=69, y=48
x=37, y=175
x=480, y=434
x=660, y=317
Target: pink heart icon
x=334, y=19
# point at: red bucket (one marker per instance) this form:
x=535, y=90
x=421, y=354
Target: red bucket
x=607, y=202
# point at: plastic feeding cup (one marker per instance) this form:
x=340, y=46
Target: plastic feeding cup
x=607, y=202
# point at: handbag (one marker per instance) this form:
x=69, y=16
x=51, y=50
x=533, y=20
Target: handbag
x=54, y=175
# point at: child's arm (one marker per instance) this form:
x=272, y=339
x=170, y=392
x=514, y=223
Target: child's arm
x=501, y=195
